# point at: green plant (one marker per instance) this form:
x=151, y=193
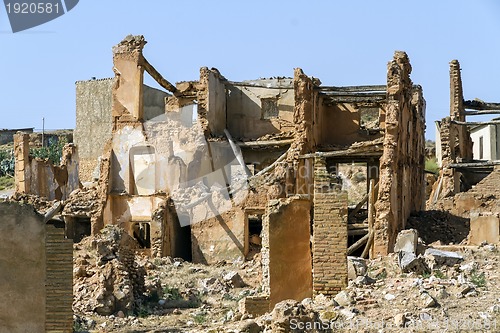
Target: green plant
x=426, y=275
x=439, y=274
x=478, y=279
x=53, y=151
x=172, y=293
x=142, y=310
x=7, y=163
x=200, y=318
x=431, y=165
x=6, y=182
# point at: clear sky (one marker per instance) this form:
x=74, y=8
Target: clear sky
x=340, y=42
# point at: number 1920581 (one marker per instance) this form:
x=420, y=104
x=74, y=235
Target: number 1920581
x=32, y=8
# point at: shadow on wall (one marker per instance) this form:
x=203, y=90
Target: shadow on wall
x=436, y=225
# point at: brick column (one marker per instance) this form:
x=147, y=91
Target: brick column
x=22, y=162
x=329, y=245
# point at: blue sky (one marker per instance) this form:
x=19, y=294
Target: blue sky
x=342, y=43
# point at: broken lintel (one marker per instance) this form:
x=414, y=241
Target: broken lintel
x=381, y=88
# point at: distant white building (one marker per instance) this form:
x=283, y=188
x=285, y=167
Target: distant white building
x=486, y=139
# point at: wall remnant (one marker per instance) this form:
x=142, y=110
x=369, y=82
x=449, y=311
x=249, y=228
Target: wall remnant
x=41, y=177
x=36, y=272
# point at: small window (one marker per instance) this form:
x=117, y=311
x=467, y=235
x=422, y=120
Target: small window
x=269, y=107
x=481, y=147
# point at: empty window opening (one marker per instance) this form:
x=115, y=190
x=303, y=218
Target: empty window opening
x=142, y=234
x=481, y=148
x=254, y=231
x=369, y=117
x=269, y=108
x=82, y=228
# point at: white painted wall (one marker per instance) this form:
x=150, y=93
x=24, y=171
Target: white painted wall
x=490, y=145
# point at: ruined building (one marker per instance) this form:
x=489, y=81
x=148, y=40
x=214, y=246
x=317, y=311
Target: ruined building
x=467, y=187
x=219, y=170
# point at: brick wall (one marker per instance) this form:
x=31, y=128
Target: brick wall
x=329, y=233
x=59, y=281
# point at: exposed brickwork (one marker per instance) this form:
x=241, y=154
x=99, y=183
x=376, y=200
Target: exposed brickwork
x=59, y=281
x=329, y=234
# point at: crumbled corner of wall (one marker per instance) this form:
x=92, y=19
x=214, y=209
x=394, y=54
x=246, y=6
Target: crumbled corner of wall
x=130, y=44
x=102, y=187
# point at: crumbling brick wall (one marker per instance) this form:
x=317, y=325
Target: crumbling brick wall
x=329, y=243
x=401, y=185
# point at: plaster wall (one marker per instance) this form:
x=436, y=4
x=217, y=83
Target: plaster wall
x=287, y=248
x=22, y=269
x=489, y=138
x=245, y=118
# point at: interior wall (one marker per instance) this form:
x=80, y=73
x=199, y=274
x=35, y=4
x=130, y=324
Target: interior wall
x=219, y=238
x=245, y=118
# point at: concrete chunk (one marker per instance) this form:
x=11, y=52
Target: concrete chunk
x=407, y=240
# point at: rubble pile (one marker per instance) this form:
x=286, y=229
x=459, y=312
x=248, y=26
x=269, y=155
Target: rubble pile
x=82, y=202
x=41, y=204
x=107, y=278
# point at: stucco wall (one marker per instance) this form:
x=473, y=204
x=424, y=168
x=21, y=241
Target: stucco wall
x=489, y=135
x=22, y=269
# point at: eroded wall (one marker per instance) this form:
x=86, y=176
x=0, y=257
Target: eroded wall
x=401, y=184
x=41, y=177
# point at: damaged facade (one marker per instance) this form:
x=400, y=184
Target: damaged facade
x=229, y=169
x=467, y=184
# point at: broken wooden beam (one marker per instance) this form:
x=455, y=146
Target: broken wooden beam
x=372, y=150
x=475, y=164
x=352, y=99
x=52, y=211
x=357, y=232
x=354, y=88
x=265, y=143
x=480, y=105
x=237, y=153
x=357, y=245
x=475, y=123
x=361, y=203
x=369, y=242
x=480, y=112
x=159, y=78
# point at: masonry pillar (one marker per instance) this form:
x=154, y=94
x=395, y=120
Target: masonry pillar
x=22, y=162
x=329, y=244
